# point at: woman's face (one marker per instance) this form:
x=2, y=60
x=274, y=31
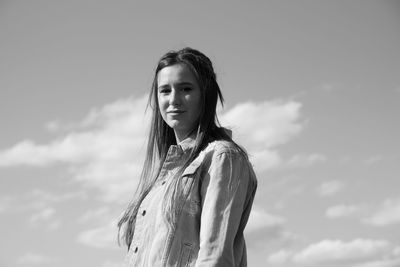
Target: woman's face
x=179, y=99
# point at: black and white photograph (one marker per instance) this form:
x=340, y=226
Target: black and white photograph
x=199, y=133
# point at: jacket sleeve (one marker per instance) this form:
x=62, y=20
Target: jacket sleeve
x=224, y=192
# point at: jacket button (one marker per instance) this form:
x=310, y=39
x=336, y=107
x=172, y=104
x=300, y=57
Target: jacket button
x=136, y=249
x=143, y=212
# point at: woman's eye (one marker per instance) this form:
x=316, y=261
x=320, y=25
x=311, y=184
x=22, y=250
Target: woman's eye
x=165, y=91
x=187, y=89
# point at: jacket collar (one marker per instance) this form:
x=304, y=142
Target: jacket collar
x=188, y=143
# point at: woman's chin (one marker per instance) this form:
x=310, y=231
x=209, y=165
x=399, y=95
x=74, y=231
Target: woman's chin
x=176, y=124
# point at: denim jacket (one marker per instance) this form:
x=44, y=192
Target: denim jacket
x=219, y=188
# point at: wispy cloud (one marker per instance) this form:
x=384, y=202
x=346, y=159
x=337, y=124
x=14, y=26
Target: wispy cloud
x=330, y=188
x=340, y=211
x=112, y=264
x=45, y=217
x=260, y=219
x=103, y=236
x=264, y=227
x=330, y=87
x=337, y=251
x=280, y=257
x=262, y=127
x=105, y=150
x=43, y=198
x=358, y=252
x=5, y=203
x=32, y=258
x=387, y=214
x=265, y=159
x=304, y=160
x=374, y=159
x=38, y=199
x=40, y=206
x=95, y=215
x=269, y=123
x=390, y=261
x=101, y=227
x=109, y=134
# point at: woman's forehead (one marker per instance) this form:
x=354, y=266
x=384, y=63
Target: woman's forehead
x=176, y=74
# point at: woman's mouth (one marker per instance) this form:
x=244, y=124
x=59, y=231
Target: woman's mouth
x=175, y=112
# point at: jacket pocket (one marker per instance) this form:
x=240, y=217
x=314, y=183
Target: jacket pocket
x=188, y=177
x=185, y=256
x=192, y=168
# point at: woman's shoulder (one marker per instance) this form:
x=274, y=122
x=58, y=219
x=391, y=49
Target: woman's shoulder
x=222, y=154
x=218, y=147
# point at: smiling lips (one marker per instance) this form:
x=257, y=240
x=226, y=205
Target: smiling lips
x=175, y=112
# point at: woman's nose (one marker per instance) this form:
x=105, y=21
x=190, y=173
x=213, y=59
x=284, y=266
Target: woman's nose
x=174, y=99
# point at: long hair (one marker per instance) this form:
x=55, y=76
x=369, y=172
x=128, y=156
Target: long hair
x=161, y=137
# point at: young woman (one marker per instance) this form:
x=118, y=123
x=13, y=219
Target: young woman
x=197, y=185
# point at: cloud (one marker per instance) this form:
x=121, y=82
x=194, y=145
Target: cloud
x=260, y=219
x=265, y=159
x=39, y=205
x=395, y=262
x=337, y=251
x=262, y=127
x=105, y=150
x=264, y=228
x=266, y=123
x=32, y=258
x=328, y=87
x=5, y=203
x=279, y=257
x=53, y=126
x=43, y=198
x=306, y=160
x=103, y=237
x=94, y=215
x=389, y=259
x=330, y=188
x=112, y=264
x=374, y=159
x=45, y=217
x=103, y=232
x=387, y=214
x=110, y=134
x=339, y=211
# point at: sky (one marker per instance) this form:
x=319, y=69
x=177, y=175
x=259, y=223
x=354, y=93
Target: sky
x=311, y=88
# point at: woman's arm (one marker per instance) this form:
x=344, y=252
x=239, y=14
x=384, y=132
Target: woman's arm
x=225, y=193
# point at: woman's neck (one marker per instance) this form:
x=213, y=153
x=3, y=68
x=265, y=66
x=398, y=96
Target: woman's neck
x=180, y=137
